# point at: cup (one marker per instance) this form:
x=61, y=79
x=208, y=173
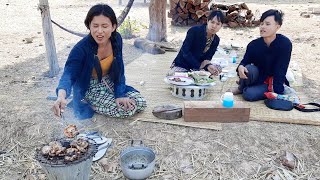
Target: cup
x=227, y=100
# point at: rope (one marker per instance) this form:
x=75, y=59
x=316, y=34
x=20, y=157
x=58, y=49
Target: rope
x=120, y=20
x=69, y=31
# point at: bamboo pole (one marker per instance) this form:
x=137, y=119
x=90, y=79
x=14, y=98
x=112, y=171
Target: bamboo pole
x=49, y=38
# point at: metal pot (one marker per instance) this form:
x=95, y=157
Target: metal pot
x=137, y=161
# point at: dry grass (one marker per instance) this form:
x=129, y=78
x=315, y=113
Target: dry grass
x=239, y=151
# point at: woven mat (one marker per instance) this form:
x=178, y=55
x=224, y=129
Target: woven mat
x=147, y=74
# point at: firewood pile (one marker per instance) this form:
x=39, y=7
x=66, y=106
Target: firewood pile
x=188, y=12
x=238, y=15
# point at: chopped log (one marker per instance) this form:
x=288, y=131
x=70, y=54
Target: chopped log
x=241, y=17
x=196, y=2
x=222, y=7
x=243, y=6
x=207, y=13
x=199, y=13
x=233, y=24
x=196, y=8
x=232, y=9
x=184, y=16
x=237, y=14
x=175, y=1
x=249, y=16
x=182, y=4
x=184, y=23
x=191, y=22
x=189, y=6
x=192, y=10
x=204, y=5
x=203, y=20
x=172, y=11
x=184, y=12
x=194, y=17
x=180, y=20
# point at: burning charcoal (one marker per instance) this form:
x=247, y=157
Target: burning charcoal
x=45, y=150
x=71, y=131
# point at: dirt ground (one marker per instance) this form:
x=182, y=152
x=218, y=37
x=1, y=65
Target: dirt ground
x=240, y=151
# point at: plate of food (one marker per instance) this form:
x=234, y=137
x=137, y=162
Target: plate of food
x=202, y=78
x=179, y=80
x=205, y=82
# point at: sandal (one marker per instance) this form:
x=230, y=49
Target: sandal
x=102, y=149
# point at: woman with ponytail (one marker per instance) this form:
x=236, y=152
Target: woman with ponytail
x=94, y=72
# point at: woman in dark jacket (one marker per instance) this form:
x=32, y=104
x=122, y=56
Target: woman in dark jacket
x=199, y=46
x=94, y=71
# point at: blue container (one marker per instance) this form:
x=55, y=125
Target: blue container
x=227, y=103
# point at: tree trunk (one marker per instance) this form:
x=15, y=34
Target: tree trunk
x=49, y=39
x=158, y=25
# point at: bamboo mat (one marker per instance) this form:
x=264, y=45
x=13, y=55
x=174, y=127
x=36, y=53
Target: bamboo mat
x=147, y=74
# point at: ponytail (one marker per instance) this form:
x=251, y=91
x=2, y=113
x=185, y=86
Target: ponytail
x=116, y=65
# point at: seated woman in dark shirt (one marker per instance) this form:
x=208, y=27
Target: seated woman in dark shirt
x=265, y=58
x=199, y=46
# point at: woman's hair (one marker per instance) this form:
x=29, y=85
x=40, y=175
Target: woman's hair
x=100, y=9
x=278, y=15
x=219, y=14
x=107, y=11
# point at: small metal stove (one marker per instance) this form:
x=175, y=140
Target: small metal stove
x=58, y=168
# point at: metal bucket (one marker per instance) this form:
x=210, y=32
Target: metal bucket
x=137, y=161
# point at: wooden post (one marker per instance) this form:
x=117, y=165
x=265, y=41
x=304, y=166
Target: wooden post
x=49, y=39
x=157, y=15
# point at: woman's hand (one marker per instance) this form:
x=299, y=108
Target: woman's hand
x=204, y=63
x=242, y=72
x=214, y=70
x=60, y=104
x=126, y=103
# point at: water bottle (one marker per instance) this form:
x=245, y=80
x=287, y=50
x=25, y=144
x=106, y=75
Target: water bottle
x=233, y=55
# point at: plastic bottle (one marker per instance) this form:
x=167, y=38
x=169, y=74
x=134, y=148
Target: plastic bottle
x=233, y=56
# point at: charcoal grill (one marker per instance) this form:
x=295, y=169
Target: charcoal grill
x=58, y=168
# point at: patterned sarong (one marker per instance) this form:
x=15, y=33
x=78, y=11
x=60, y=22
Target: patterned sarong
x=101, y=97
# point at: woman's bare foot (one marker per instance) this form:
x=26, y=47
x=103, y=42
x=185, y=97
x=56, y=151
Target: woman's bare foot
x=235, y=91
